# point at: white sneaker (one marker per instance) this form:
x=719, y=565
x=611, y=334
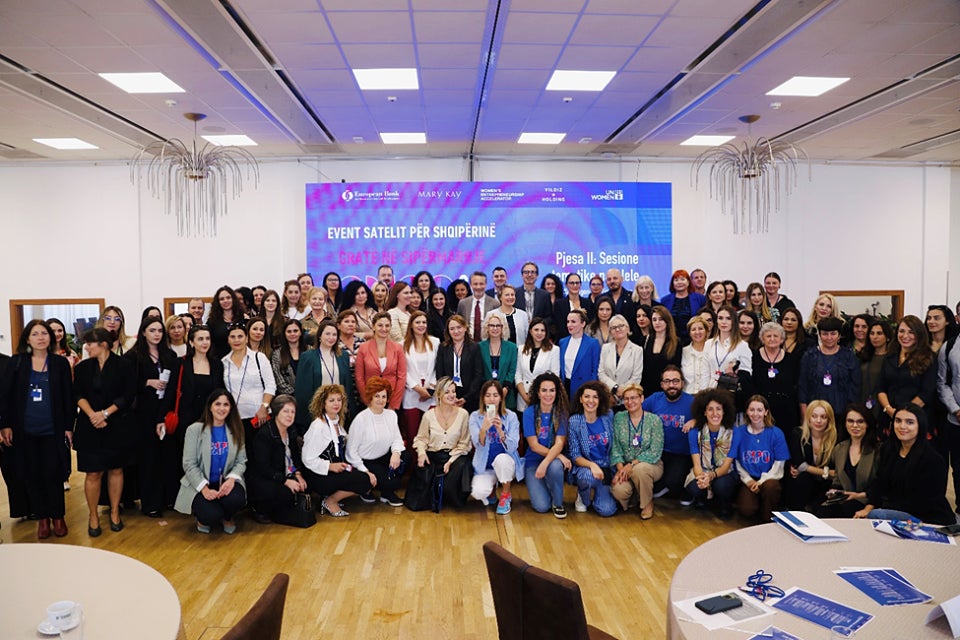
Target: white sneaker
x=579, y=506
x=686, y=503
x=662, y=492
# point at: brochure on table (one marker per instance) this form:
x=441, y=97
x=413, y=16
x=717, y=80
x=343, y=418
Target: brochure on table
x=885, y=586
x=750, y=610
x=808, y=527
x=822, y=611
x=951, y=609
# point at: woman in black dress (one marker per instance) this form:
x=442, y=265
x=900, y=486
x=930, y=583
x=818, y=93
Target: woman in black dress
x=157, y=469
x=105, y=386
x=275, y=475
x=662, y=347
x=775, y=374
x=194, y=377
x=437, y=313
x=223, y=313
x=37, y=416
x=909, y=373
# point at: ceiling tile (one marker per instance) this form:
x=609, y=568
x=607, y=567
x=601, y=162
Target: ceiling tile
x=449, y=56
x=290, y=27
x=528, y=56
x=449, y=26
x=595, y=58
x=359, y=26
x=613, y=30
x=631, y=7
x=374, y=56
x=538, y=28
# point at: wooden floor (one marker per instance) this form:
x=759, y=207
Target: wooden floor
x=390, y=573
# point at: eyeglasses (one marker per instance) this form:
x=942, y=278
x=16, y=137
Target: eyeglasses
x=494, y=326
x=671, y=381
x=528, y=272
x=573, y=282
x=618, y=326
x=112, y=319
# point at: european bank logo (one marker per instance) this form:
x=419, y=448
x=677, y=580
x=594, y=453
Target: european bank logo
x=346, y=196
x=609, y=194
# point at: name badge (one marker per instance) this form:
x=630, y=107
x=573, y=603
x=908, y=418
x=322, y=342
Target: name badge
x=870, y=402
x=36, y=394
x=636, y=441
x=772, y=372
x=456, y=381
x=827, y=379
x=495, y=374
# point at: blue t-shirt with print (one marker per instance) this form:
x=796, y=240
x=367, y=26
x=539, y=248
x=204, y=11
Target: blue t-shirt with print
x=673, y=415
x=544, y=436
x=755, y=453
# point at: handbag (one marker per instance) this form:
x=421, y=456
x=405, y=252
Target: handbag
x=301, y=513
x=729, y=382
x=172, y=420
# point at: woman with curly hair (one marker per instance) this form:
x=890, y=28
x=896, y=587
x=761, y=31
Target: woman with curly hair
x=223, y=313
x=591, y=443
x=711, y=442
x=545, y=424
x=375, y=446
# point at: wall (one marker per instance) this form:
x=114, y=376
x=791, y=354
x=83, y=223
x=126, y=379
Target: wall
x=75, y=231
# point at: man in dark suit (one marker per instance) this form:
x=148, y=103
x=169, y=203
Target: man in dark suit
x=474, y=308
x=499, y=279
x=532, y=299
x=622, y=301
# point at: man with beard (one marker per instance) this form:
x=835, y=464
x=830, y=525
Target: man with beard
x=672, y=404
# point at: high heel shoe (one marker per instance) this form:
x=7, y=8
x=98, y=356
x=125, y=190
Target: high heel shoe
x=343, y=513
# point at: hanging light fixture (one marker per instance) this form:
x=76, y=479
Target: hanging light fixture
x=748, y=179
x=194, y=184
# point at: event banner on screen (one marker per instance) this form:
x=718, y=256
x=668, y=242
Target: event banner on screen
x=454, y=228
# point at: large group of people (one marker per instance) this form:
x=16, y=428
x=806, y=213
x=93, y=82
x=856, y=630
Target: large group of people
x=428, y=397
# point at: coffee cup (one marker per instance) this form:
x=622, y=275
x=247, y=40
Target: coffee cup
x=64, y=614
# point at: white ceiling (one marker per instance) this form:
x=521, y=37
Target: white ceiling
x=279, y=72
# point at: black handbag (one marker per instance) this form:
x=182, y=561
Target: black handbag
x=301, y=513
x=729, y=382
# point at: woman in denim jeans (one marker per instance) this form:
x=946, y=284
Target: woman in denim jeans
x=545, y=428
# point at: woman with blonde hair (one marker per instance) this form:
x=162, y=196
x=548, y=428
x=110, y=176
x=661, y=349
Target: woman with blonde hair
x=112, y=320
x=326, y=469
x=176, y=335
x=811, y=449
x=825, y=306
x=757, y=302
x=695, y=360
x=645, y=291
x=320, y=310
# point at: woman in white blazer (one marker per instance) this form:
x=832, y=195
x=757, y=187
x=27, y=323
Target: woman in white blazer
x=538, y=355
x=214, y=461
x=621, y=361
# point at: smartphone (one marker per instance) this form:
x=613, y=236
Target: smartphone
x=716, y=604
x=491, y=411
x=950, y=530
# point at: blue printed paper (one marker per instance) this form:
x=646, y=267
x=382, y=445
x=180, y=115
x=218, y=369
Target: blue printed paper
x=772, y=633
x=885, y=586
x=821, y=611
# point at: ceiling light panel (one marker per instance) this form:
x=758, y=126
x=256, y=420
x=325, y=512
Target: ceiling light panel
x=807, y=86
x=566, y=80
x=541, y=138
x=706, y=141
x=403, y=138
x=230, y=140
x=386, y=79
x=65, y=143
x=142, y=82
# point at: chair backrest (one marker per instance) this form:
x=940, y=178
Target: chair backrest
x=506, y=583
x=552, y=607
x=263, y=620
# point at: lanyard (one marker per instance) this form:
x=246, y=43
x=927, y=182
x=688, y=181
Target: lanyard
x=332, y=370
x=243, y=375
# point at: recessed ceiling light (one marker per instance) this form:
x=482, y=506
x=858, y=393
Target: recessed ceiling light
x=143, y=82
x=540, y=138
x=806, y=86
x=378, y=79
x=403, y=138
x=706, y=141
x=580, y=80
x=65, y=143
x=230, y=140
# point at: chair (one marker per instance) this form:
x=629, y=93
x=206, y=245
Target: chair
x=263, y=620
x=533, y=604
x=506, y=583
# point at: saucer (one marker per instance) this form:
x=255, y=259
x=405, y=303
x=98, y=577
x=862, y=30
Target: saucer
x=47, y=628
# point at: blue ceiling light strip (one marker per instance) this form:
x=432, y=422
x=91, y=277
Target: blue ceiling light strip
x=494, y=36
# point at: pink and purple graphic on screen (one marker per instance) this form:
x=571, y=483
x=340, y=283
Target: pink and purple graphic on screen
x=454, y=228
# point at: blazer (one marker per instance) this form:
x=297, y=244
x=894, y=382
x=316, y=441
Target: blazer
x=541, y=303
x=585, y=365
x=866, y=468
x=15, y=393
x=561, y=309
x=697, y=300
x=368, y=366
x=471, y=371
x=506, y=372
x=465, y=309
x=629, y=369
x=268, y=465
x=196, y=465
x=521, y=321
x=310, y=378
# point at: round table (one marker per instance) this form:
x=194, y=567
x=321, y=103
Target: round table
x=121, y=597
x=726, y=561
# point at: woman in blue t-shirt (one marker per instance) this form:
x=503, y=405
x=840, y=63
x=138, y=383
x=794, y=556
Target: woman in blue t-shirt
x=591, y=440
x=214, y=460
x=545, y=428
x=760, y=452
